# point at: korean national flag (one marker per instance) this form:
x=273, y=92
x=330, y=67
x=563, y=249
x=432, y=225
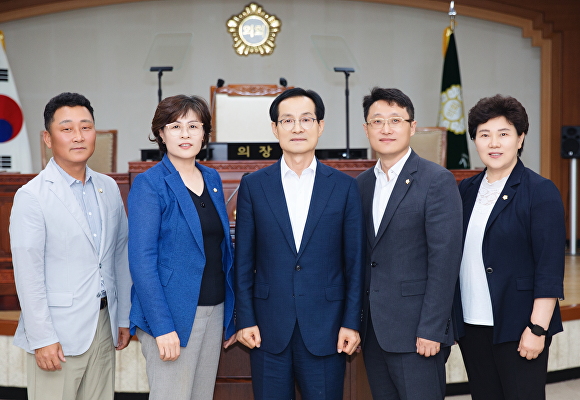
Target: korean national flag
x=14, y=146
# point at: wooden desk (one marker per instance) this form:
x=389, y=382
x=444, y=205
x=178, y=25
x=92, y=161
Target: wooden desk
x=231, y=173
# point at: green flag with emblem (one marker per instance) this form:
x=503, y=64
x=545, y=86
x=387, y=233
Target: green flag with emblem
x=451, y=114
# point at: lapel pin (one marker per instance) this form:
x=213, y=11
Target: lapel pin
x=505, y=197
x=407, y=181
x=214, y=190
x=100, y=190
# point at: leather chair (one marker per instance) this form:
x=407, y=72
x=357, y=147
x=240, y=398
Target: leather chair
x=431, y=144
x=103, y=160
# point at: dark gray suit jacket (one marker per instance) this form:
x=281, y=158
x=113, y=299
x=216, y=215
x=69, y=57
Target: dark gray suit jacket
x=412, y=264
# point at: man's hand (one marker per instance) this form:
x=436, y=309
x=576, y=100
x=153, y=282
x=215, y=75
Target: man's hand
x=168, y=346
x=233, y=339
x=531, y=345
x=427, y=347
x=250, y=337
x=348, y=340
x=49, y=357
x=124, y=338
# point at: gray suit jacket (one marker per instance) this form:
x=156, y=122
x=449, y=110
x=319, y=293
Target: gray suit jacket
x=56, y=265
x=412, y=264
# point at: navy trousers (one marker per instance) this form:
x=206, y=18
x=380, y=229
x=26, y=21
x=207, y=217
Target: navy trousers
x=318, y=377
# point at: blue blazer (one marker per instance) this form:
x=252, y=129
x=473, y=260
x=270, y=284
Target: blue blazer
x=166, y=253
x=523, y=250
x=320, y=286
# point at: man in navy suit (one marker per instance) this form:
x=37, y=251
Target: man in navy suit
x=299, y=261
x=413, y=220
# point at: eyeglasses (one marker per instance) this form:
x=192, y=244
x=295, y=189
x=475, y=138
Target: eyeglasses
x=289, y=123
x=379, y=123
x=193, y=128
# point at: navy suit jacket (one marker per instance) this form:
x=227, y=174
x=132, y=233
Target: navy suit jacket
x=320, y=286
x=523, y=250
x=412, y=263
x=166, y=253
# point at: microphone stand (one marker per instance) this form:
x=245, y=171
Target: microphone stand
x=347, y=72
x=159, y=75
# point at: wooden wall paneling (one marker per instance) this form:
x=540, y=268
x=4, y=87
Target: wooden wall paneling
x=122, y=180
x=358, y=387
x=235, y=363
x=12, y=10
x=233, y=390
x=5, y=208
x=8, y=298
x=569, y=107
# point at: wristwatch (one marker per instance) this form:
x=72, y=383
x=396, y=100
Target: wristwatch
x=537, y=329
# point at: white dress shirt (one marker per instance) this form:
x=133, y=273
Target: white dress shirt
x=384, y=187
x=475, y=297
x=298, y=192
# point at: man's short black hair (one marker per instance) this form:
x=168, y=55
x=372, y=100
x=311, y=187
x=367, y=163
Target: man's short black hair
x=65, y=99
x=391, y=96
x=297, y=92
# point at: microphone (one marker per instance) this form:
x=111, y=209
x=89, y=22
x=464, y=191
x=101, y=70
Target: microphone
x=220, y=82
x=283, y=82
x=236, y=190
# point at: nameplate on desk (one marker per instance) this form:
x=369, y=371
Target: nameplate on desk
x=254, y=151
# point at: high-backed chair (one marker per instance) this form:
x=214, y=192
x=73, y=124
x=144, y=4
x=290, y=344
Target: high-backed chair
x=431, y=144
x=103, y=160
x=240, y=113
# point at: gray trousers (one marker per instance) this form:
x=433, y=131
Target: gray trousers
x=89, y=376
x=192, y=375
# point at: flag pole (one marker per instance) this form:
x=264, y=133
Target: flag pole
x=452, y=13
x=451, y=115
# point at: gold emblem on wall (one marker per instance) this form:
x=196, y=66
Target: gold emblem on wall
x=254, y=31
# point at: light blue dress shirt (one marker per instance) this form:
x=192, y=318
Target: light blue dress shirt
x=87, y=200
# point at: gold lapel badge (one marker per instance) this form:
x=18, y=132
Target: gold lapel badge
x=407, y=181
x=214, y=190
x=505, y=197
x=100, y=190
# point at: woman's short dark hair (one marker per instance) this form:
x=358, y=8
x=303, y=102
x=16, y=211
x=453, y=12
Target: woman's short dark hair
x=172, y=108
x=391, y=96
x=498, y=106
x=297, y=92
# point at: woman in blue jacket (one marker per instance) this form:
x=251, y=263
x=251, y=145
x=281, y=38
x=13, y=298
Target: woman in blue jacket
x=180, y=256
x=512, y=269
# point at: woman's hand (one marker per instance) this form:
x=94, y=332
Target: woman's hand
x=233, y=339
x=531, y=345
x=168, y=346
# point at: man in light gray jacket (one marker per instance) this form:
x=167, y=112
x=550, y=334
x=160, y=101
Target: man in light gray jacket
x=68, y=234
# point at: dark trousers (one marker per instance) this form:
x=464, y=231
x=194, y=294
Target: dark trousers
x=403, y=376
x=318, y=377
x=497, y=371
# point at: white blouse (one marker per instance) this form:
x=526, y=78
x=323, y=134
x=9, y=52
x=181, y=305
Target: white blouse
x=475, y=296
